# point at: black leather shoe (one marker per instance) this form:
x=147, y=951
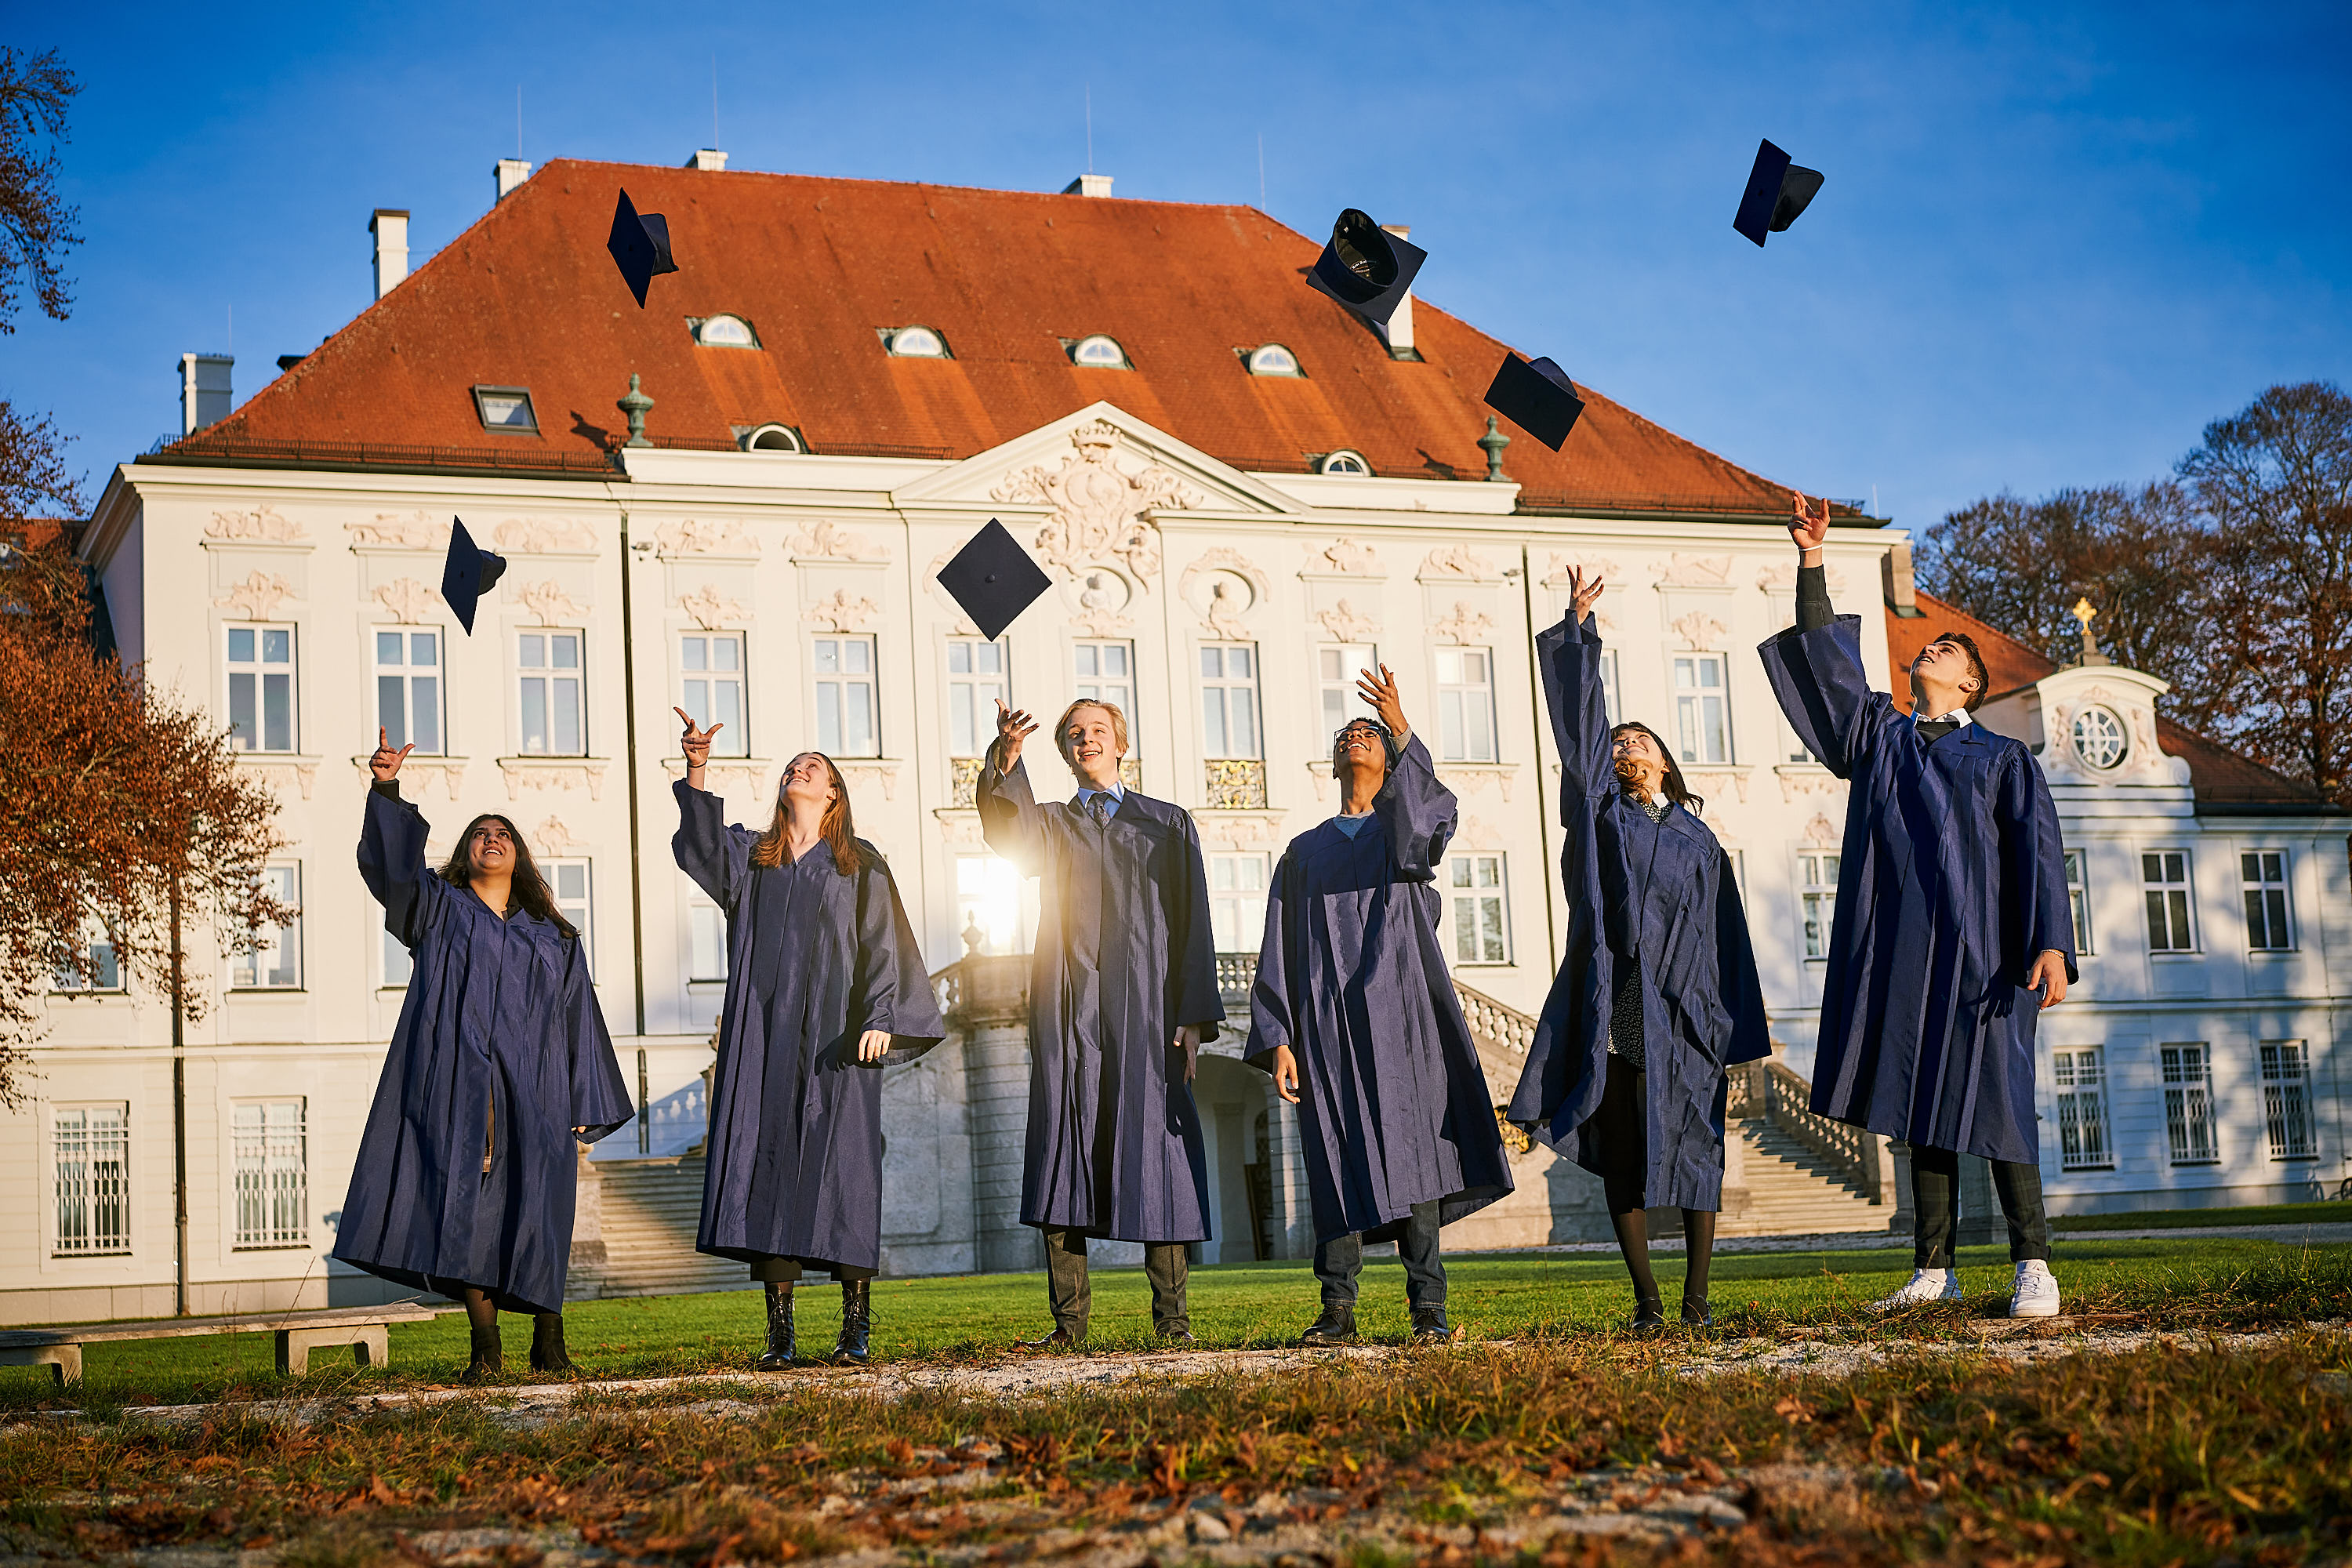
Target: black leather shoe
x=1694, y=1313
x=1177, y=1336
x=1649, y=1315
x=1337, y=1326
x=1430, y=1328
x=783, y=1346
x=546, y=1345
x=1059, y=1340
x=854, y=1347
x=489, y=1359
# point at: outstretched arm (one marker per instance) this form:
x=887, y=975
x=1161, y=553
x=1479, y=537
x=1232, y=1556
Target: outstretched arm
x=1009, y=818
x=392, y=851
x=1816, y=669
x=1419, y=812
x=1569, y=655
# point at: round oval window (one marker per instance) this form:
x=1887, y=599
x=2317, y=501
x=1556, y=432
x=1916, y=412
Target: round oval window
x=2099, y=738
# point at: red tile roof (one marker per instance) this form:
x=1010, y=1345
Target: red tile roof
x=526, y=297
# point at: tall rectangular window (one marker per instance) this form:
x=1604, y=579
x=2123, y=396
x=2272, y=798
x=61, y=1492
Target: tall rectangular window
x=273, y=1178
x=1702, y=708
x=398, y=963
x=1237, y=902
x=846, y=725
x=976, y=684
x=2078, y=898
x=1336, y=667
x=2286, y=1099
x=2165, y=876
x=1817, y=879
x=105, y=964
x=2264, y=872
x=710, y=667
x=549, y=666
x=706, y=940
x=1610, y=692
x=1106, y=673
x=262, y=690
x=276, y=963
x=988, y=899
x=568, y=880
x=408, y=688
x=1466, y=704
x=1475, y=887
x=1229, y=700
x=93, y=1178
x=2082, y=1077
x=2188, y=1104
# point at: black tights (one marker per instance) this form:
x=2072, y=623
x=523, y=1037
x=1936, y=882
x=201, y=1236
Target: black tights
x=1934, y=1181
x=1632, y=1227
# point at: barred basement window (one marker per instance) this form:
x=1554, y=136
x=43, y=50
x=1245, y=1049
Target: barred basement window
x=2188, y=1104
x=2286, y=1099
x=2083, y=1144
x=93, y=1179
x=273, y=1182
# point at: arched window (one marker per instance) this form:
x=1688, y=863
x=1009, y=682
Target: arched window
x=772, y=438
x=916, y=342
x=1101, y=351
x=726, y=333
x=1348, y=463
x=2100, y=738
x=1273, y=359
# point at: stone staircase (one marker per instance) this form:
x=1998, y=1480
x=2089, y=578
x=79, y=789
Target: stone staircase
x=651, y=1208
x=1792, y=1190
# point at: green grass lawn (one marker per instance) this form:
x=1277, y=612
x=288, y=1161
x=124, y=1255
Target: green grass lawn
x=2206, y=1280
x=2328, y=1213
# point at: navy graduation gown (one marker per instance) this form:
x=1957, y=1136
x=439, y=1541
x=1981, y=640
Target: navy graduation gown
x=1393, y=1108
x=500, y=1045
x=1660, y=895
x=1951, y=884
x=1125, y=957
x=814, y=959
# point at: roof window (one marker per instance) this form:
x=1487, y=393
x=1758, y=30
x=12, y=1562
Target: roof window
x=1273, y=359
x=724, y=332
x=1101, y=351
x=506, y=408
x=1350, y=464
x=915, y=343
x=773, y=437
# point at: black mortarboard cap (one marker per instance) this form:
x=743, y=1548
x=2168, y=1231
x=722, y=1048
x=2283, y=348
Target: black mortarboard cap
x=1537, y=396
x=1366, y=267
x=640, y=246
x=994, y=579
x=1778, y=190
x=468, y=573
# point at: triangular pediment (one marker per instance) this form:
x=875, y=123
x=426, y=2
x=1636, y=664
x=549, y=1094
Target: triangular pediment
x=1101, y=453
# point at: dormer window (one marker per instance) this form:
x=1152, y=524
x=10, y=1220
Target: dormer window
x=1349, y=464
x=1101, y=351
x=915, y=343
x=1273, y=359
x=724, y=332
x=506, y=408
x=771, y=438
x=2100, y=738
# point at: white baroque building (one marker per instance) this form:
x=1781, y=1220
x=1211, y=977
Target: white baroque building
x=1243, y=496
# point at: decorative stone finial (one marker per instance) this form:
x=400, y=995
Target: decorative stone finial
x=2082, y=612
x=636, y=406
x=975, y=941
x=1493, y=441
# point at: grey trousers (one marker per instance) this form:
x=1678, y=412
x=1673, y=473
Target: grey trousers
x=1339, y=1260
x=1070, y=1292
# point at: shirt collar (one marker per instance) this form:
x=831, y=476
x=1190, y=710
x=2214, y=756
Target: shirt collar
x=1118, y=793
x=1957, y=716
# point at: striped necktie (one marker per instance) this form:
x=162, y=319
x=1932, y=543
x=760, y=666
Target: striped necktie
x=1101, y=805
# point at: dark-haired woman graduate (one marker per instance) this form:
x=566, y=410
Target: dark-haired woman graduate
x=1658, y=991
x=466, y=1173
x=824, y=980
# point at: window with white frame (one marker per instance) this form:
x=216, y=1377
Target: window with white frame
x=2078, y=898
x=92, y=1176
x=2286, y=1099
x=1106, y=673
x=276, y=962
x=1229, y=700
x=1475, y=887
x=706, y=940
x=262, y=689
x=2263, y=871
x=1237, y=902
x=399, y=964
x=1337, y=666
x=1466, y=705
x=2164, y=874
x=710, y=666
x=988, y=898
x=105, y=964
x=273, y=1179
x=2081, y=1078
x=1702, y=708
x=408, y=688
x=548, y=665
x=2188, y=1104
x=568, y=880
x=1817, y=879
x=846, y=724
x=1610, y=692
x=1740, y=873
x=976, y=684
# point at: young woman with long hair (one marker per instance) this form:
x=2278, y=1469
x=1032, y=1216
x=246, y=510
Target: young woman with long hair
x=466, y=1171
x=824, y=982
x=1658, y=991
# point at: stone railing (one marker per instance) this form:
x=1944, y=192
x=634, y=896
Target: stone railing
x=1236, y=784
x=1505, y=1031
x=1777, y=1094
x=1236, y=973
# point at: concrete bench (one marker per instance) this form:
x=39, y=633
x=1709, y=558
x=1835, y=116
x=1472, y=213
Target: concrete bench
x=364, y=1329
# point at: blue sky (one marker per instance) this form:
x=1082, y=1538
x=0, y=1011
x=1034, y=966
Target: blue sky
x=2054, y=241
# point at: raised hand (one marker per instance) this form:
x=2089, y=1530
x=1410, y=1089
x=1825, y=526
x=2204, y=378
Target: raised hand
x=1381, y=692
x=386, y=763
x=696, y=743
x=1806, y=529
x=1013, y=727
x=1581, y=594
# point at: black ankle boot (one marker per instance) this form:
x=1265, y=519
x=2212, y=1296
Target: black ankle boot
x=489, y=1360
x=854, y=1347
x=547, y=1343
x=1337, y=1326
x=1649, y=1314
x=1430, y=1328
x=782, y=1349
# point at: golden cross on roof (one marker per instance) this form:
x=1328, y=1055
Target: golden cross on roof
x=2082, y=612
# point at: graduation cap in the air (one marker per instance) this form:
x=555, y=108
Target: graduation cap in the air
x=1537, y=396
x=468, y=573
x=1778, y=190
x=640, y=246
x=1366, y=267
x=994, y=579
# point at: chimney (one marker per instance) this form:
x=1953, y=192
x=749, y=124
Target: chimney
x=1894, y=575
x=1399, y=331
x=707, y=158
x=510, y=172
x=390, y=226
x=1088, y=185
x=204, y=391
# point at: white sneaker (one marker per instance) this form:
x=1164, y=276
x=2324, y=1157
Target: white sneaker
x=1927, y=1285
x=2037, y=1292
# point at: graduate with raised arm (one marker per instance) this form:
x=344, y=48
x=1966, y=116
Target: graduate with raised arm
x=1658, y=993
x=1355, y=1015
x=825, y=985
x=466, y=1173
x=1953, y=930
x=1122, y=995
